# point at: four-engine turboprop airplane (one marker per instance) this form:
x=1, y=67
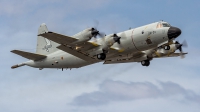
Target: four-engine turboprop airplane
x=141, y=44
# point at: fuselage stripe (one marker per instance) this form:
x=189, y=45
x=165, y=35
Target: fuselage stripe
x=133, y=41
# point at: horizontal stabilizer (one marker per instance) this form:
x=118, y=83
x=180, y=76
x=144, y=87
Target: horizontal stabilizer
x=28, y=55
x=18, y=65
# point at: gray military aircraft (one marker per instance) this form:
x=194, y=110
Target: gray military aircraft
x=140, y=44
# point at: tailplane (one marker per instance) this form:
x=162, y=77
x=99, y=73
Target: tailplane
x=28, y=55
x=44, y=45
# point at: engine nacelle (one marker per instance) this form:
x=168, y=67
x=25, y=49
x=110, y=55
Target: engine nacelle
x=162, y=52
x=109, y=40
x=85, y=35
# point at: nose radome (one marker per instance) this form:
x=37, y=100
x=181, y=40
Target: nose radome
x=173, y=32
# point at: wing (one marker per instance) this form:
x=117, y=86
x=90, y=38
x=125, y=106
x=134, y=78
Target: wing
x=86, y=50
x=76, y=53
x=28, y=55
x=58, y=38
x=68, y=40
x=79, y=50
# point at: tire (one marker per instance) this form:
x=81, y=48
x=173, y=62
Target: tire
x=148, y=63
x=101, y=56
x=145, y=63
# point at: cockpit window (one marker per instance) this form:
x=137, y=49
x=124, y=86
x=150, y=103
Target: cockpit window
x=165, y=25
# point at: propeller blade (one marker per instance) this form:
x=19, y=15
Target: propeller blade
x=116, y=38
x=96, y=23
x=179, y=47
x=182, y=56
x=94, y=32
x=177, y=42
x=119, y=42
x=101, y=34
x=184, y=43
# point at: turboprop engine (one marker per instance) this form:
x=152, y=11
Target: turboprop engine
x=109, y=40
x=173, y=47
x=106, y=42
x=86, y=35
x=163, y=52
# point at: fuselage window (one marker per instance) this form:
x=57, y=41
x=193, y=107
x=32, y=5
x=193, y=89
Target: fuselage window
x=142, y=32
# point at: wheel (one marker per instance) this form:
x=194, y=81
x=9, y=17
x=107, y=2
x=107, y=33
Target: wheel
x=145, y=63
x=101, y=56
x=167, y=47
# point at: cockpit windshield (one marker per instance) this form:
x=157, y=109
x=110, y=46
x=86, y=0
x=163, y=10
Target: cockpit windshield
x=166, y=25
x=163, y=24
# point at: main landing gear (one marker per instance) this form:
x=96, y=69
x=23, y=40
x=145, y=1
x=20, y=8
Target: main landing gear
x=101, y=56
x=145, y=63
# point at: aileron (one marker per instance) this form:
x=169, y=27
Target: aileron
x=58, y=38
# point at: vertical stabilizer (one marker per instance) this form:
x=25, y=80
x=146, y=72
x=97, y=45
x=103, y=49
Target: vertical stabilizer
x=44, y=45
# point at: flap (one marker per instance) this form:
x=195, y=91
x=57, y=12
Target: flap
x=28, y=55
x=171, y=55
x=134, y=57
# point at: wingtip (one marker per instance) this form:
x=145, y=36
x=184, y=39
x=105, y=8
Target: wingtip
x=12, y=51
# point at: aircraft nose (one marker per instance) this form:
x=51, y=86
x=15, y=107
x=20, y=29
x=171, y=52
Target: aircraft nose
x=173, y=32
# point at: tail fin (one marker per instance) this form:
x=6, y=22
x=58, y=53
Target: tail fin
x=44, y=45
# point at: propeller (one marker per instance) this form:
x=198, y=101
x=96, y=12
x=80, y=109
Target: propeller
x=96, y=33
x=116, y=38
x=179, y=47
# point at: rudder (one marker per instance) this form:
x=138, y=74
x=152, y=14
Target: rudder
x=44, y=45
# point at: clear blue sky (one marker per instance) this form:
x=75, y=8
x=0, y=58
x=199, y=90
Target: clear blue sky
x=169, y=84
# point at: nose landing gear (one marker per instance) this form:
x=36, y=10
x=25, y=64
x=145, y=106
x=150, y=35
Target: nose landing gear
x=145, y=63
x=167, y=47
